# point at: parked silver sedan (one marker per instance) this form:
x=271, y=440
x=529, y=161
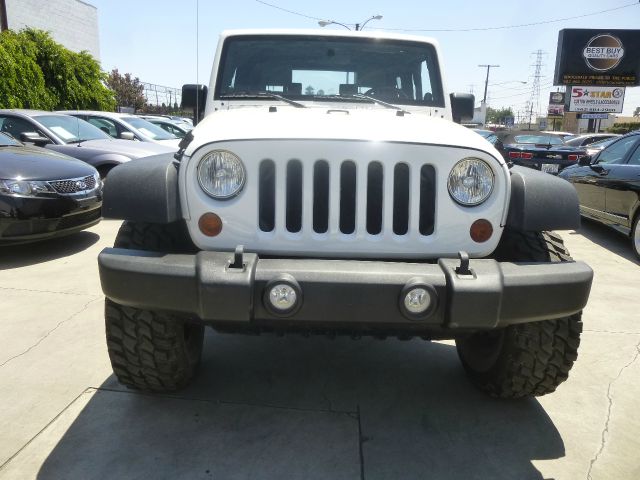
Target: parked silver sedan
x=126, y=126
x=75, y=137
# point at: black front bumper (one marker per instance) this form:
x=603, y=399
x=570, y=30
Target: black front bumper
x=336, y=294
x=27, y=219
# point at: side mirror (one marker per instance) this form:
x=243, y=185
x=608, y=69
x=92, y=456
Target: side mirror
x=127, y=136
x=585, y=161
x=35, y=138
x=462, y=106
x=194, y=97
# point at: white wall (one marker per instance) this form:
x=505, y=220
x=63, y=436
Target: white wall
x=73, y=23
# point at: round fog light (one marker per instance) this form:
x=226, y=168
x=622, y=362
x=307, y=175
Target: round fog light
x=282, y=296
x=417, y=300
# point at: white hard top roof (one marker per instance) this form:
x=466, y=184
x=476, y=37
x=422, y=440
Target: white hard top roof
x=330, y=33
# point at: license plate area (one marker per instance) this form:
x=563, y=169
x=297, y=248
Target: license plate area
x=550, y=167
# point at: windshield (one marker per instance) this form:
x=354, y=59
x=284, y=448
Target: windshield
x=6, y=140
x=327, y=68
x=71, y=129
x=148, y=129
x=546, y=139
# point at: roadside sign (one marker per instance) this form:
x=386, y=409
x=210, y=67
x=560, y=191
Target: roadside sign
x=596, y=99
x=593, y=116
x=509, y=122
x=542, y=123
x=597, y=57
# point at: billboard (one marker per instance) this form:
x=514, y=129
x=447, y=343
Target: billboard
x=597, y=57
x=596, y=99
x=556, y=105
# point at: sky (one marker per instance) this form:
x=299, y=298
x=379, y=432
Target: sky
x=155, y=40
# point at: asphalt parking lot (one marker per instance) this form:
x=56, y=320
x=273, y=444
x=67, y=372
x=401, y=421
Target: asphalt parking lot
x=270, y=407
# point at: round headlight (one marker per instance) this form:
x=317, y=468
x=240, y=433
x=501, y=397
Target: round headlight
x=470, y=181
x=221, y=174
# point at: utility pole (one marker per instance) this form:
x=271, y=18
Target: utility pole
x=486, y=82
x=483, y=105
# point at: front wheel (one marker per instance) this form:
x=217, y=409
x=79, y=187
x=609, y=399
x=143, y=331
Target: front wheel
x=530, y=358
x=152, y=351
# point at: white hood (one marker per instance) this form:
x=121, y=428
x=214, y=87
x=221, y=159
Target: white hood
x=383, y=125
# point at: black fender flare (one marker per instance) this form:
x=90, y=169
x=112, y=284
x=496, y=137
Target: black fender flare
x=540, y=201
x=143, y=190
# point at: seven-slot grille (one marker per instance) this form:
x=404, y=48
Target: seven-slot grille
x=380, y=196
x=74, y=185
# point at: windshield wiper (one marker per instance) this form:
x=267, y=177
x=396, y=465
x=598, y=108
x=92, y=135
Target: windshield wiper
x=364, y=97
x=249, y=95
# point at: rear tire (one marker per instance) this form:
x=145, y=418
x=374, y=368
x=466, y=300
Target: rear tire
x=530, y=358
x=152, y=351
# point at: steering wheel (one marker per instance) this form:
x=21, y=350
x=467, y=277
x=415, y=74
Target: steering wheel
x=389, y=93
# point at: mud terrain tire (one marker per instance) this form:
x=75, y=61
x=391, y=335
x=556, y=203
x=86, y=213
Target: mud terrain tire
x=152, y=351
x=528, y=359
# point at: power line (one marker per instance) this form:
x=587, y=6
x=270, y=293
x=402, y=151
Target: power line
x=289, y=11
x=528, y=92
x=506, y=27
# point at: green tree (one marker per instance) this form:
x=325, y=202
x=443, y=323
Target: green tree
x=36, y=72
x=309, y=90
x=128, y=90
x=636, y=113
x=498, y=116
x=22, y=84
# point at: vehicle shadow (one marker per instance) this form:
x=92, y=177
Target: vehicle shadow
x=16, y=256
x=613, y=240
x=269, y=407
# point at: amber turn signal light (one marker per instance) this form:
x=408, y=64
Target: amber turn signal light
x=481, y=230
x=210, y=224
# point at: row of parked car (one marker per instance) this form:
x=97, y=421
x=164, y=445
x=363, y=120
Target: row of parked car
x=57, y=190
x=603, y=167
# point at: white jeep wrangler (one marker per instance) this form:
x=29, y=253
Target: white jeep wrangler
x=326, y=190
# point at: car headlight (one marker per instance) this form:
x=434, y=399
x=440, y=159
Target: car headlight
x=25, y=188
x=221, y=174
x=470, y=181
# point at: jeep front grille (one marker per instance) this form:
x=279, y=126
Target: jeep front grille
x=363, y=200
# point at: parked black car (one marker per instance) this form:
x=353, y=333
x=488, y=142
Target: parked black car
x=76, y=138
x=608, y=186
x=541, y=151
x=44, y=194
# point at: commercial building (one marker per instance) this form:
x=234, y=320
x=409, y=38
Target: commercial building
x=73, y=23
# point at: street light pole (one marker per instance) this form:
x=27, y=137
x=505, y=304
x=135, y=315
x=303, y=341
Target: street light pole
x=324, y=23
x=374, y=17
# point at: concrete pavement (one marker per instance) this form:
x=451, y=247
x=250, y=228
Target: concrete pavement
x=269, y=407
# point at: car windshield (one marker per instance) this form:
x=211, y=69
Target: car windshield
x=71, y=129
x=533, y=139
x=330, y=68
x=7, y=141
x=148, y=129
